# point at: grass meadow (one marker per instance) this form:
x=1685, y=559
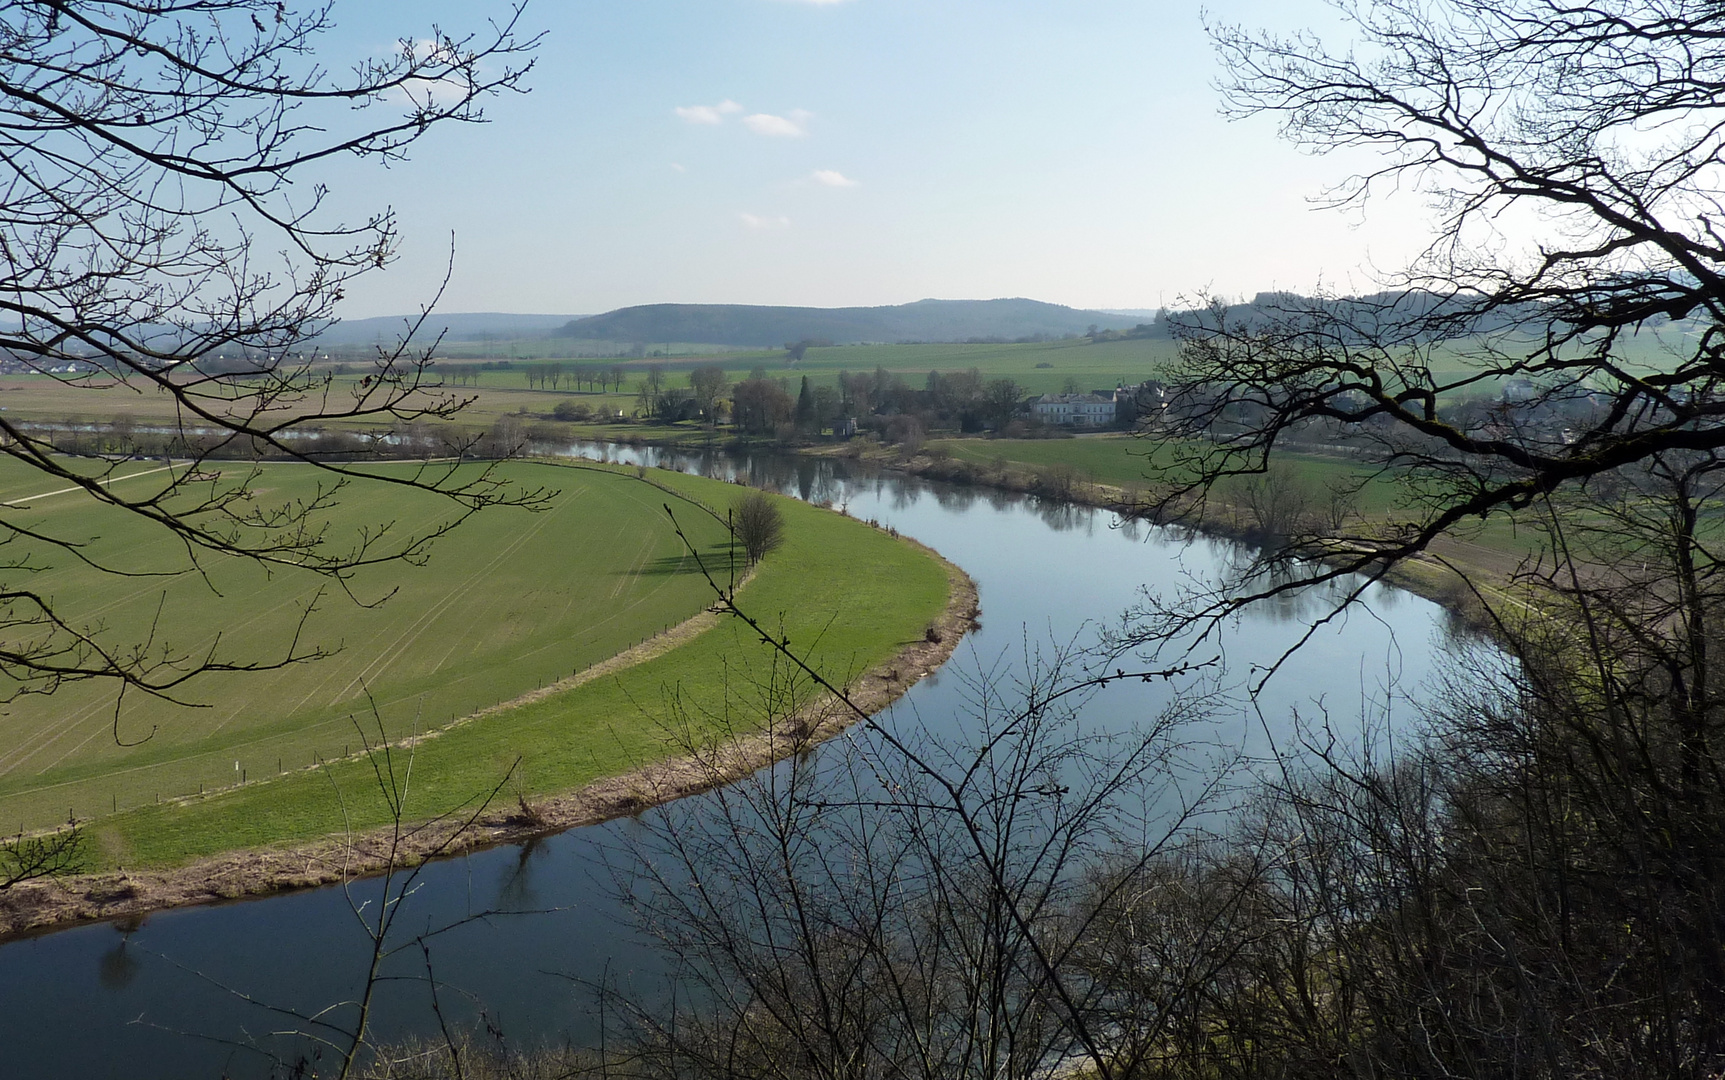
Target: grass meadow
x=509, y=602
x=848, y=592
x=502, y=389
x=1126, y=462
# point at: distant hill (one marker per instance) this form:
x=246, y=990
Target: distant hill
x=924, y=320
x=461, y=326
x=1396, y=315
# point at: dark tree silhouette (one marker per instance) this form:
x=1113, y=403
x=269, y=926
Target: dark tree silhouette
x=708, y=383
x=165, y=235
x=759, y=405
x=758, y=525
x=1573, y=151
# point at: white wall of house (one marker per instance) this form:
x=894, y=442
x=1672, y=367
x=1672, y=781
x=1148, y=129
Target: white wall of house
x=1075, y=410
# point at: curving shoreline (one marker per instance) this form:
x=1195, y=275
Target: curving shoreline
x=1435, y=575
x=39, y=906
x=36, y=907
x=1440, y=574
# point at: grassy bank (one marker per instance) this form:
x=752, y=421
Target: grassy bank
x=507, y=603
x=1113, y=469
x=854, y=594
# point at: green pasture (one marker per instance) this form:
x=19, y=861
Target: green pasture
x=1041, y=367
x=1127, y=462
x=1120, y=460
x=499, y=393
x=508, y=602
x=501, y=388
x=846, y=592
x=569, y=350
x=1031, y=363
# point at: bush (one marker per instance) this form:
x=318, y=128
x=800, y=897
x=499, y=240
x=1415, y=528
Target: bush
x=757, y=524
x=572, y=410
x=1057, y=481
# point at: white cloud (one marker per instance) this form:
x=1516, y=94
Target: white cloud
x=675, y=167
x=833, y=178
x=708, y=114
x=781, y=127
x=755, y=221
x=428, y=93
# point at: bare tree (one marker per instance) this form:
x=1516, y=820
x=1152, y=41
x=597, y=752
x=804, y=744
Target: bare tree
x=708, y=382
x=28, y=857
x=759, y=405
x=1003, y=399
x=338, y=1039
x=758, y=524
x=164, y=235
x=1572, y=151
x=1530, y=888
x=1530, y=885
x=906, y=903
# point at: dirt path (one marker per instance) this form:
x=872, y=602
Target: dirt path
x=40, y=905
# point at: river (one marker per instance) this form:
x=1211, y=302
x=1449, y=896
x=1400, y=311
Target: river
x=183, y=993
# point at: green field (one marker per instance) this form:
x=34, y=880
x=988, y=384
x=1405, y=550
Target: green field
x=501, y=392
x=501, y=388
x=850, y=593
x=511, y=601
x=1128, y=462
x=1040, y=366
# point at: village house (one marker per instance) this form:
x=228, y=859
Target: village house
x=1077, y=410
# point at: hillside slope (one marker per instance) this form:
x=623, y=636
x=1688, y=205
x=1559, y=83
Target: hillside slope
x=924, y=320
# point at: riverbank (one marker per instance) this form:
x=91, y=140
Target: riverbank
x=520, y=812
x=1454, y=572
x=1046, y=575
x=255, y=872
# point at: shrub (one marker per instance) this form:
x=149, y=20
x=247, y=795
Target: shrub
x=1057, y=481
x=757, y=524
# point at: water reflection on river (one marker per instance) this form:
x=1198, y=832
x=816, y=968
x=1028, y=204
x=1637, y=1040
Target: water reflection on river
x=162, y=997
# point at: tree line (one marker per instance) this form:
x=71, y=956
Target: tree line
x=591, y=377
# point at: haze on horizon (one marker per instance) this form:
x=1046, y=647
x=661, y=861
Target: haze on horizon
x=835, y=153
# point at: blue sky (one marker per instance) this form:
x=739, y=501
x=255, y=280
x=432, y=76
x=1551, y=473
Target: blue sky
x=858, y=152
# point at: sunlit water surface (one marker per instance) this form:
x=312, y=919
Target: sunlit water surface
x=182, y=993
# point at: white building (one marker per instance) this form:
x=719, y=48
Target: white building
x=1075, y=410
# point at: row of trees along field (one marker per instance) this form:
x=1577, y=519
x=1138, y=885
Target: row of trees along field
x=880, y=400
x=555, y=376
